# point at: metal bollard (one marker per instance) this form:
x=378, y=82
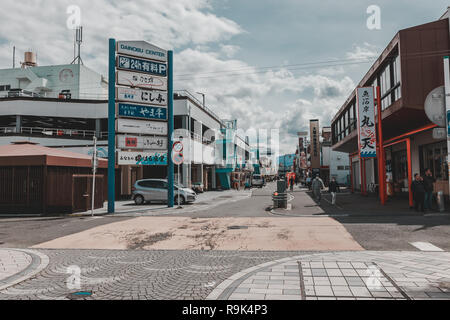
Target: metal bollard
x=440, y=201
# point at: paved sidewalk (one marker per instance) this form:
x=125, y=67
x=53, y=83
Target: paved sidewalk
x=343, y=276
x=302, y=203
x=18, y=265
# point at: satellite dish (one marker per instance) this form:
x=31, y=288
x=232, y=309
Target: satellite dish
x=435, y=106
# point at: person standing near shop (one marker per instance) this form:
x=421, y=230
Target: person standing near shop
x=333, y=187
x=418, y=190
x=428, y=182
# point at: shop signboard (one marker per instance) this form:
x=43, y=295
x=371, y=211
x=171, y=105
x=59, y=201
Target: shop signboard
x=142, y=49
x=367, y=137
x=141, y=127
x=141, y=80
x=142, y=158
x=142, y=111
x=315, y=143
x=140, y=65
x=140, y=96
x=142, y=142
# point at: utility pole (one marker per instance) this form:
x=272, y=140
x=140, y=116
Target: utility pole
x=94, y=169
x=447, y=105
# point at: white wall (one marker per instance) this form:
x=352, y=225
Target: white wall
x=49, y=81
x=54, y=108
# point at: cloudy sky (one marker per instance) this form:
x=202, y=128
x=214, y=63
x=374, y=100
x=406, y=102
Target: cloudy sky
x=269, y=64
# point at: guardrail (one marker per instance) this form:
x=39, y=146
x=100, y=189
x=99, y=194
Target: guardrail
x=53, y=132
x=186, y=93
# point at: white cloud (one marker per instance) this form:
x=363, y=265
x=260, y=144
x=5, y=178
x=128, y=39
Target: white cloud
x=244, y=97
x=41, y=25
x=366, y=51
x=229, y=50
x=258, y=99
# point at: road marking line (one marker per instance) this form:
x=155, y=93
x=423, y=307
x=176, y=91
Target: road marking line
x=425, y=246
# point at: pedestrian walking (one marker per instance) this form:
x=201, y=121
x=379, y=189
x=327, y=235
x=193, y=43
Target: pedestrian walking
x=292, y=181
x=316, y=186
x=418, y=190
x=428, y=183
x=333, y=188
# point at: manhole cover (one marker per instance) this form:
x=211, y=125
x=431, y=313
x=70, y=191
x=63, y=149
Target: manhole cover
x=79, y=295
x=236, y=227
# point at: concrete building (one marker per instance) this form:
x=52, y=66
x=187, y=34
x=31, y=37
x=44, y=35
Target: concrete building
x=407, y=70
x=335, y=162
x=50, y=81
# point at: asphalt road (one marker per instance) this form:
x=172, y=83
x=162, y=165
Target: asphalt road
x=387, y=232
x=26, y=232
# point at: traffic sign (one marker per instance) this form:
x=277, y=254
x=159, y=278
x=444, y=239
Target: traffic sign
x=177, y=146
x=177, y=158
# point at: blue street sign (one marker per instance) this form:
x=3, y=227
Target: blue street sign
x=448, y=123
x=139, y=111
x=146, y=66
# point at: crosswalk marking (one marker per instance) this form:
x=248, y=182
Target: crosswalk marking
x=425, y=246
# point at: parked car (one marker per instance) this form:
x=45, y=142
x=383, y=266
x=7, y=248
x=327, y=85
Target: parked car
x=197, y=187
x=155, y=190
x=258, y=181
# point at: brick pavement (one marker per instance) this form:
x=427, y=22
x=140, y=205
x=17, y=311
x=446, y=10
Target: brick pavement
x=343, y=276
x=200, y=274
x=17, y=265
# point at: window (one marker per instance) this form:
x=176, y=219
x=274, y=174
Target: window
x=5, y=87
x=434, y=157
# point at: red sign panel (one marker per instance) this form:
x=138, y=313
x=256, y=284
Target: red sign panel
x=131, y=142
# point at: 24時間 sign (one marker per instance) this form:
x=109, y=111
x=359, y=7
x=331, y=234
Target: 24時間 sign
x=142, y=158
x=144, y=112
x=146, y=66
x=141, y=80
x=366, y=123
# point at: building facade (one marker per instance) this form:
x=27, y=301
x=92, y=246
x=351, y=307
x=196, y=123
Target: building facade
x=407, y=70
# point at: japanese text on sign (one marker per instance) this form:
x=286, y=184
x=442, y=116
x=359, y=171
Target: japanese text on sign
x=366, y=123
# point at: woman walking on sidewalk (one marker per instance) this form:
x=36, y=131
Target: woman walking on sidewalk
x=333, y=188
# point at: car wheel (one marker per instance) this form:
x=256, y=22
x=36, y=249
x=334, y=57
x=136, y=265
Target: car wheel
x=139, y=200
x=182, y=201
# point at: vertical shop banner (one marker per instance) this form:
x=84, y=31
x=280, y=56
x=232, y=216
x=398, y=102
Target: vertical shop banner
x=367, y=136
x=315, y=143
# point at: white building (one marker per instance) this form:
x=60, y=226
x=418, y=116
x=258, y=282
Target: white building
x=204, y=135
x=49, y=81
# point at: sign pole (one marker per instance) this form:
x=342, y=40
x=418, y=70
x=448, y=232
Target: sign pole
x=170, y=129
x=111, y=125
x=381, y=156
x=94, y=169
x=447, y=106
x=179, y=186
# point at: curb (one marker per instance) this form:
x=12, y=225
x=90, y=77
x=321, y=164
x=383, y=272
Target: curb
x=39, y=262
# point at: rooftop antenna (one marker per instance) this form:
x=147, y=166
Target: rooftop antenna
x=78, y=41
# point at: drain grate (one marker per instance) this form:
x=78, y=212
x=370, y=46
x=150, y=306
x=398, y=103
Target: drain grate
x=237, y=227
